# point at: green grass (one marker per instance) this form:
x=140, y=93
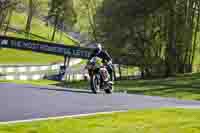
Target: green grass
x=80, y=64
x=182, y=87
x=11, y=56
x=143, y=121
x=39, y=28
x=128, y=70
x=34, y=82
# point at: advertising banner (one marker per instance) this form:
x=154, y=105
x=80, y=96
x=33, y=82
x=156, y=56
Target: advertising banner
x=45, y=47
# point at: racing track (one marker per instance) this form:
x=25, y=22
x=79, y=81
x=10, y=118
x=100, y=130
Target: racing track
x=24, y=102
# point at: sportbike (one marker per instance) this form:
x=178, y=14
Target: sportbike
x=99, y=76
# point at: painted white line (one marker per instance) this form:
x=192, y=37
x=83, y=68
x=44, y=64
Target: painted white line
x=60, y=117
x=188, y=107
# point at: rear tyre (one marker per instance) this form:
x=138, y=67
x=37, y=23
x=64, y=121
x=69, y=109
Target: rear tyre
x=109, y=89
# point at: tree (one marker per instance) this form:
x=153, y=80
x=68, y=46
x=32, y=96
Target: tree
x=126, y=25
x=160, y=34
x=9, y=16
x=31, y=11
x=86, y=11
x=6, y=6
x=61, y=11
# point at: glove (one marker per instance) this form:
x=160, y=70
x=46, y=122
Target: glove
x=110, y=62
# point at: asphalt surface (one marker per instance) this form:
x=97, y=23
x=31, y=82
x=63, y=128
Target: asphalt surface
x=24, y=102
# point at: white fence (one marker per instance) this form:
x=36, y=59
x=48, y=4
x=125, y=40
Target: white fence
x=28, y=68
x=37, y=72
x=33, y=72
x=22, y=77
x=27, y=72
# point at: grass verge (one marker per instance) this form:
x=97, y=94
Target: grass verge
x=34, y=82
x=144, y=121
x=182, y=87
x=38, y=27
x=12, y=56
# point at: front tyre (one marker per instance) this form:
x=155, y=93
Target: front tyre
x=95, y=84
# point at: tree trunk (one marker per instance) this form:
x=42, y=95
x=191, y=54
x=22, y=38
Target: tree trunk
x=55, y=28
x=8, y=21
x=171, y=61
x=92, y=25
x=192, y=28
x=195, y=36
x=3, y=15
x=120, y=71
x=61, y=33
x=147, y=73
x=114, y=73
x=30, y=17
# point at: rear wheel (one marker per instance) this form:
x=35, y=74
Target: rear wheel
x=95, y=84
x=109, y=89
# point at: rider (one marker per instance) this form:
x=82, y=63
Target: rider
x=106, y=59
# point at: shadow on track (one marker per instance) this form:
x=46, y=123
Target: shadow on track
x=63, y=90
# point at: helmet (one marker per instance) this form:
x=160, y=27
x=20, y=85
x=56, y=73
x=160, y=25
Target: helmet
x=99, y=46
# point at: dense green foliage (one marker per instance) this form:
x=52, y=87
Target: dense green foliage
x=160, y=39
x=62, y=11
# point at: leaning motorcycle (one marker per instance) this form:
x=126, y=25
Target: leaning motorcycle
x=99, y=76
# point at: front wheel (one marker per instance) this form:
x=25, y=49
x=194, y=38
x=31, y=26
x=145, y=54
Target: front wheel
x=95, y=84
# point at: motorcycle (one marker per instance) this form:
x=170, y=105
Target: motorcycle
x=99, y=76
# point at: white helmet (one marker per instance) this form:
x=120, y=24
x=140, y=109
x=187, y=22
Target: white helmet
x=99, y=46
